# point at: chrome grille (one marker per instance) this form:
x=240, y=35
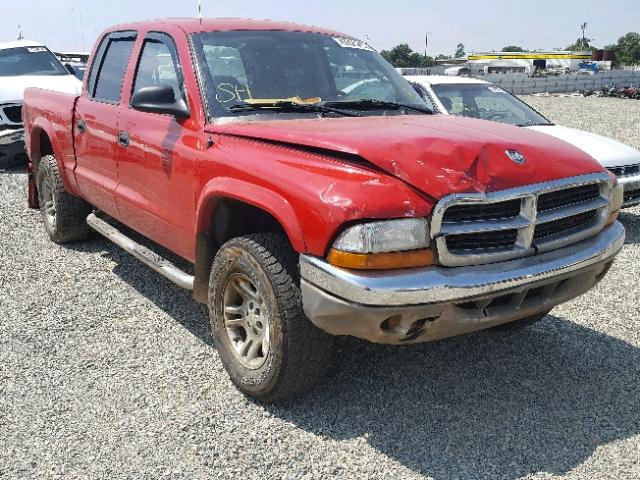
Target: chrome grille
x=478, y=228
x=491, y=211
x=11, y=115
x=14, y=113
x=562, y=198
x=631, y=197
x=565, y=225
x=483, y=240
x=625, y=170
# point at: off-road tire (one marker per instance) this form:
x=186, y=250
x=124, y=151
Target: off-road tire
x=522, y=323
x=299, y=353
x=69, y=224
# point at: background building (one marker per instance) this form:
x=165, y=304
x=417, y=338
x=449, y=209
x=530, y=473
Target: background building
x=529, y=62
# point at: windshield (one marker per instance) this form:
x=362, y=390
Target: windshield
x=488, y=102
x=253, y=67
x=15, y=62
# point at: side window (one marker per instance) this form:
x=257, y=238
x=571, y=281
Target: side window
x=110, y=76
x=157, y=66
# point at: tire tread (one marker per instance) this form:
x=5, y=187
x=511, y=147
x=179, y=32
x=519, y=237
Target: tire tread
x=307, y=349
x=71, y=211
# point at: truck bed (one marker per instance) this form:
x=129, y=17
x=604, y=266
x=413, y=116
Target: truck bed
x=53, y=111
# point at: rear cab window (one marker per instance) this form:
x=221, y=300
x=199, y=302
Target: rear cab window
x=108, y=71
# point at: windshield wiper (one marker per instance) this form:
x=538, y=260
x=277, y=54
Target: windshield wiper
x=372, y=104
x=540, y=124
x=291, y=107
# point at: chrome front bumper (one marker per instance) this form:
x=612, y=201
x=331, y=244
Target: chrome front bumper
x=631, y=186
x=435, y=302
x=9, y=137
x=12, y=149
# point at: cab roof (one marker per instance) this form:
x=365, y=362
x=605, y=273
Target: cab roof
x=19, y=43
x=194, y=25
x=443, y=80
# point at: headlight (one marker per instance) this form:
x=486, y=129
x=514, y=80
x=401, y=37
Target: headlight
x=387, y=244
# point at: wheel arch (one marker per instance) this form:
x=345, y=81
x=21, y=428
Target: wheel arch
x=43, y=142
x=229, y=208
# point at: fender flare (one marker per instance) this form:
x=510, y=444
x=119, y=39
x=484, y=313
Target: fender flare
x=264, y=199
x=42, y=125
x=225, y=187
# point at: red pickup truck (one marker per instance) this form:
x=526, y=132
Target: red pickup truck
x=313, y=192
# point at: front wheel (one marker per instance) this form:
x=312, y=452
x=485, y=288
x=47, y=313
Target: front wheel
x=269, y=347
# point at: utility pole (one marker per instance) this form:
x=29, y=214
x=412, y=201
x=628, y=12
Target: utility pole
x=426, y=44
x=583, y=27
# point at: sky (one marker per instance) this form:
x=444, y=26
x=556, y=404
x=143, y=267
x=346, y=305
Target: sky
x=480, y=25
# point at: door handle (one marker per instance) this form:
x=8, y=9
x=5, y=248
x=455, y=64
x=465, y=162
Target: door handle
x=123, y=139
x=82, y=126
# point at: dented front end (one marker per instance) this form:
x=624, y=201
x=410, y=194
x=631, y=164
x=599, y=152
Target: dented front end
x=425, y=304
x=516, y=223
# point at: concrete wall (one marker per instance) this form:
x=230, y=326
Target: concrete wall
x=523, y=85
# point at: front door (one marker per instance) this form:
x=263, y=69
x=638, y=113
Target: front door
x=157, y=163
x=96, y=122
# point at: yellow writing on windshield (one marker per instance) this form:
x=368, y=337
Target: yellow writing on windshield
x=228, y=92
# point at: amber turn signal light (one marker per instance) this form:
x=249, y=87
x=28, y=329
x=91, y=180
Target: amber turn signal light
x=612, y=218
x=381, y=261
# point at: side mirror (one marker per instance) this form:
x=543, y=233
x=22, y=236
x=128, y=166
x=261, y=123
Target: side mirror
x=159, y=99
x=70, y=68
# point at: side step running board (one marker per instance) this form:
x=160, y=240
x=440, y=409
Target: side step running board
x=161, y=265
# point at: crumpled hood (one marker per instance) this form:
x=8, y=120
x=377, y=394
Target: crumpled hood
x=609, y=152
x=436, y=154
x=12, y=88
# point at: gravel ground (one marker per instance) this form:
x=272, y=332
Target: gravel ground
x=612, y=117
x=108, y=371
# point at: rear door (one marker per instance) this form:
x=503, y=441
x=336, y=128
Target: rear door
x=157, y=163
x=96, y=121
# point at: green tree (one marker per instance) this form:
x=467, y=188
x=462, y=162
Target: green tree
x=581, y=46
x=513, y=48
x=627, y=49
x=459, y=51
x=404, y=57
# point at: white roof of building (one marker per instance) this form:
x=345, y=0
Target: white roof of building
x=19, y=43
x=441, y=79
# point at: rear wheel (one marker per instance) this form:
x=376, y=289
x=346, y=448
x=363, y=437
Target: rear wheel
x=268, y=346
x=64, y=215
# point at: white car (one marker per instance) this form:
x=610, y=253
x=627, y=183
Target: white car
x=25, y=64
x=475, y=98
